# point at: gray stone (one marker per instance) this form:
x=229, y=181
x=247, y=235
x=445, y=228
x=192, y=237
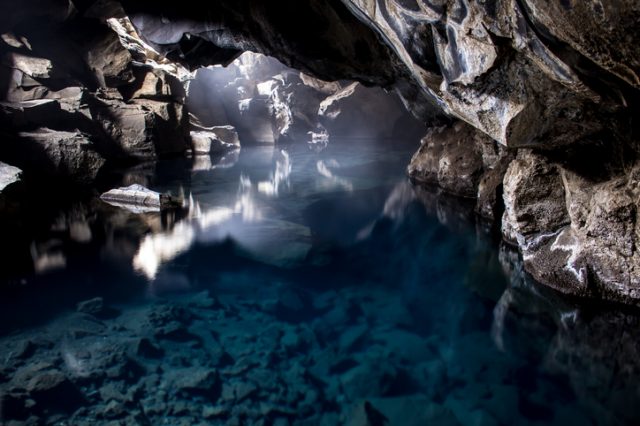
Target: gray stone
x=9, y=175
x=359, y=112
x=60, y=154
x=139, y=199
x=215, y=140
x=194, y=380
x=451, y=158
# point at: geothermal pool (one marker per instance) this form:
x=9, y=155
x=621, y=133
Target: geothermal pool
x=301, y=287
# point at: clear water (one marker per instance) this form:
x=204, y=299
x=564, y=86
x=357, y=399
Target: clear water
x=306, y=288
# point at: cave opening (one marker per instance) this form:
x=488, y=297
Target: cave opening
x=320, y=212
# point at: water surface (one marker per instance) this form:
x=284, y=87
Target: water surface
x=301, y=287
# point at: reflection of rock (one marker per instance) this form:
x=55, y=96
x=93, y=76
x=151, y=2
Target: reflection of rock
x=279, y=178
x=243, y=222
x=206, y=162
x=591, y=347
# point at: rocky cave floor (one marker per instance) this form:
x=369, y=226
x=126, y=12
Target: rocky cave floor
x=346, y=357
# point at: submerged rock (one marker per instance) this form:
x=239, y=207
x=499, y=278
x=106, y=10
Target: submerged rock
x=92, y=306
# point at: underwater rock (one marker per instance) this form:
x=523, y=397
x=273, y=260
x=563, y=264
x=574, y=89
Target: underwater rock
x=194, y=380
x=92, y=306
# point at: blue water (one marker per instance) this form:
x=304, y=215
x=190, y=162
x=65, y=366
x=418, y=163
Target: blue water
x=303, y=288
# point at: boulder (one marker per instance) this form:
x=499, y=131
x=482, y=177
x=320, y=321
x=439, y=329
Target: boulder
x=214, y=140
x=195, y=380
x=575, y=235
x=534, y=196
x=143, y=128
x=9, y=176
x=463, y=162
x=53, y=153
x=139, y=199
x=92, y=306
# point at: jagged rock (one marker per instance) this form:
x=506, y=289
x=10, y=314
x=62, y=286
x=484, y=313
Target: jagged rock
x=575, y=235
x=326, y=87
x=195, y=380
x=534, y=196
x=143, y=128
x=47, y=152
x=54, y=82
x=9, y=175
x=48, y=387
x=160, y=86
x=214, y=140
x=450, y=157
x=359, y=112
x=138, y=198
x=464, y=162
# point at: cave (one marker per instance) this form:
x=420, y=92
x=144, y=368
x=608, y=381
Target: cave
x=319, y=212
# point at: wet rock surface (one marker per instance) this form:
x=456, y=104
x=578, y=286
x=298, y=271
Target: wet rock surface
x=269, y=103
x=79, y=91
x=9, y=175
x=577, y=236
x=97, y=83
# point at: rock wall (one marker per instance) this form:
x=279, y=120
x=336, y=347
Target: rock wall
x=556, y=83
x=547, y=92
x=78, y=92
x=268, y=102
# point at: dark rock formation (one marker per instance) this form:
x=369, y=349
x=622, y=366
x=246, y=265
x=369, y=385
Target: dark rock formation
x=576, y=235
x=78, y=91
x=557, y=81
x=9, y=175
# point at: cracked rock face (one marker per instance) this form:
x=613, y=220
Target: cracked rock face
x=78, y=91
x=576, y=236
x=555, y=84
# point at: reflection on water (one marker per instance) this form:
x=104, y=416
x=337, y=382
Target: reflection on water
x=300, y=287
